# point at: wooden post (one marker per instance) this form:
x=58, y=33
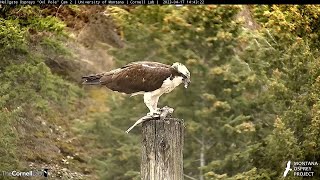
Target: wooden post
x=162, y=145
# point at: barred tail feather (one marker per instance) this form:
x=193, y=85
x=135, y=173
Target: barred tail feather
x=92, y=79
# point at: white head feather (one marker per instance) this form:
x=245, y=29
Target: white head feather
x=182, y=69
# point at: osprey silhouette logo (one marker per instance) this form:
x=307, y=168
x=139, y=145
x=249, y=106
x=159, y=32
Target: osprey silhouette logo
x=45, y=172
x=287, y=169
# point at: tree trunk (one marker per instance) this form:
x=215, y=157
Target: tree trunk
x=202, y=158
x=162, y=145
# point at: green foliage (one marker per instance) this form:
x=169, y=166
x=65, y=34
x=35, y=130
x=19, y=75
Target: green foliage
x=204, y=38
x=12, y=36
x=290, y=22
x=54, y=46
x=30, y=94
x=32, y=17
x=119, y=149
x=289, y=62
x=35, y=88
x=21, y=29
x=252, y=104
x=49, y=23
x=8, y=150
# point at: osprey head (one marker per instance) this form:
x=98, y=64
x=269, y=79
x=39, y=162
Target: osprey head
x=185, y=74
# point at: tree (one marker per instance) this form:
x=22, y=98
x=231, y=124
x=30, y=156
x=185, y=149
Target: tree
x=253, y=93
x=31, y=95
x=215, y=108
x=287, y=47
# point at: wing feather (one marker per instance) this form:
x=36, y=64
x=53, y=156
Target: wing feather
x=136, y=77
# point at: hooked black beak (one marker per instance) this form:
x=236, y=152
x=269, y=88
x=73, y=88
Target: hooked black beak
x=186, y=82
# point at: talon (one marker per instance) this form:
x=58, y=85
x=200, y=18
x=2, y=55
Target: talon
x=158, y=111
x=153, y=114
x=169, y=109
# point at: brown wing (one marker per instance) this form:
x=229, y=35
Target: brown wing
x=137, y=77
x=149, y=63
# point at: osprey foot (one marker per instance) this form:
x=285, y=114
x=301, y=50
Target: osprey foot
x=165, y=111
x=155, y=113
x=168, y=109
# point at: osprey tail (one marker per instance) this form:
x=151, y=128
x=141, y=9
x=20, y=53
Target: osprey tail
x=99, y=79
x=92, y=79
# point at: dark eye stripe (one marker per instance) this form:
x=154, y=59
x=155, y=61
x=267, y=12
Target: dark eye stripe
x=184, y=76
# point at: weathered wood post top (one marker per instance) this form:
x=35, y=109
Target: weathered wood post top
x=162, y=146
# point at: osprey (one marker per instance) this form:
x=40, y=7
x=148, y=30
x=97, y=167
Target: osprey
x=152, y=79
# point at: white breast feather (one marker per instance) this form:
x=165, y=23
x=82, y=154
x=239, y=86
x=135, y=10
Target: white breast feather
x=168, y=84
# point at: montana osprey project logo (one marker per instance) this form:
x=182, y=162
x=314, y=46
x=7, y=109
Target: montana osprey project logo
x=301, y=168
x=287, y=169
